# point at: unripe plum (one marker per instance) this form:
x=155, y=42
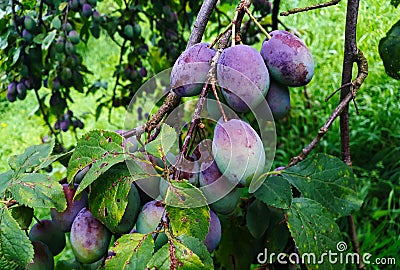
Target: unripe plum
x=81, y=174
x=74, y=5
x=74, y=37
x=288, y=59
x=213, y=236
x=42, y=259
x=216, y=186
x=63, y=220
x=89, y=238
x=128, y=31
x=29, y=23
x=148, y=220
x=70, y=48
x=148, y=187
x=190, y=70
x=238, y=151
x=96, y=17
x=243, y=76
x=131, y=212
x=49, y=233
x=27, y=35
x=278, y=99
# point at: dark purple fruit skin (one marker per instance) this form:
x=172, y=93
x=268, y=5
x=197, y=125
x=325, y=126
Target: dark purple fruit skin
x=242, y=74
x=21, y=91
x=87, y=10
x=288, y=59
x=190, y=70
x=213, y=236
x=12, y=92
x=64, y=219
x=42, y=259
x=278, y=99
x=89, y=238
x=49, y=233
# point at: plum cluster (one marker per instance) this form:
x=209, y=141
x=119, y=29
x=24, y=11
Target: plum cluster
x=245, y=76
x=67, y=120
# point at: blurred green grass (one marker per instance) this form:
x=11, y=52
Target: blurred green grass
x=375, y=133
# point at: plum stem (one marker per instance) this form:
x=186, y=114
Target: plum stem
x=320, y=5
x=218, y=101
x=246, y=9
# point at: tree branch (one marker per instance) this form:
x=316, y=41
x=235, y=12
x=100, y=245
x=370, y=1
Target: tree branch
x=172, y=100
x=201, y=22
x=354, y=86
x=350, y=56
x=321, y=5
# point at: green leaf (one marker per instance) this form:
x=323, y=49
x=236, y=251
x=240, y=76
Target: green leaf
x=62, y=6
x=56, y=22
x=327, y=180
x=109, y=195
x=256, y=225
x=15, y=247
x=175, y=256
x=98, y=148
x=185, y=219
x=235, y=251
x=275, y=191
x=48, y=39
x=32, y=157
x=395, y=3
x=167, y=139
x=38, y=190
x=38, y=39
x=198, y=248
x=23, y=215
x=17, y=53
x=389, y=49
x=132, y=251
x=182, y=194
x=5, y=179
x=313, y=229
x=51, y=159
x=277, y=234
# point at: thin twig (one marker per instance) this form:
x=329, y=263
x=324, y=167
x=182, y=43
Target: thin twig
x=275, y=12
x=356, y=84
x=45, y=116
x=321, y=5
